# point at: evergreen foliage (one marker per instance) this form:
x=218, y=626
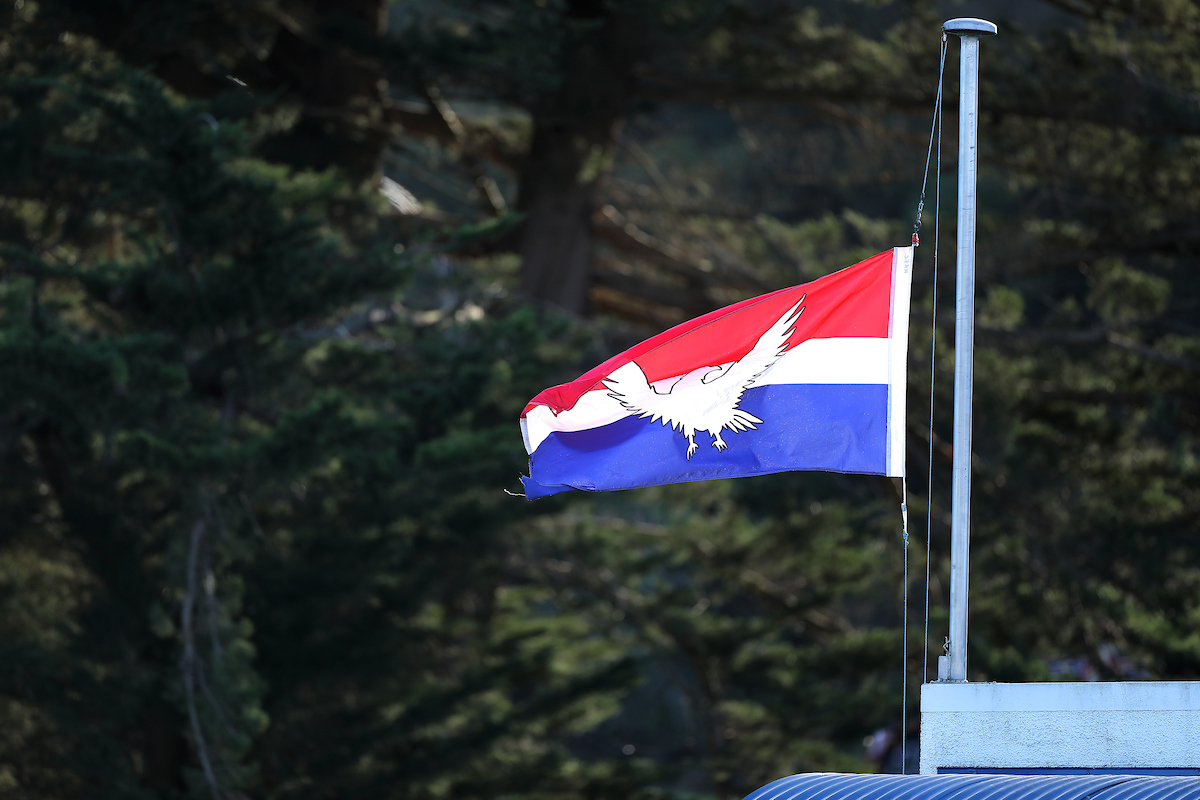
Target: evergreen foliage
x=255, y=421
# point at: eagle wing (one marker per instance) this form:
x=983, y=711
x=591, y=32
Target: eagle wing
x=730, y=384
x=629, y=386
x=712, y=403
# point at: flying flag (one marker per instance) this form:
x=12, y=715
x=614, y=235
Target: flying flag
x=807, y=378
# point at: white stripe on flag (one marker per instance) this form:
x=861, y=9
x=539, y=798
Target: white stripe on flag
x=843, y=360
x=897, y=360
x=847, y=360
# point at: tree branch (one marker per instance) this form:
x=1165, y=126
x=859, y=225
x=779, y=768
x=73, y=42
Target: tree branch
x=470, y=162
x=614, y=275
x=1107, y=336
x=610, y=226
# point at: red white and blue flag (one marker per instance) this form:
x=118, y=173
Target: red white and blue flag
x=807, y=378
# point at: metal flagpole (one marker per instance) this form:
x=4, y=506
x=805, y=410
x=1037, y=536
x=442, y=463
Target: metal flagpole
x=968, y=29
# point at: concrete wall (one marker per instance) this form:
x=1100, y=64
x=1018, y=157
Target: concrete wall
x=1060, y=725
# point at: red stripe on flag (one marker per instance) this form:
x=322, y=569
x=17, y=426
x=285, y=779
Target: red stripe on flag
x=853, y=302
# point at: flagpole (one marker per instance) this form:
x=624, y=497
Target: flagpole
x=968, y=29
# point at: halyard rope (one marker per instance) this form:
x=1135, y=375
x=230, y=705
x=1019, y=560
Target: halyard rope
x=936, y=129
x=937, y=207
x=904, y=662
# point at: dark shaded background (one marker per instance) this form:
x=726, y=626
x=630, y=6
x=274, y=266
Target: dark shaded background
x=277, y=277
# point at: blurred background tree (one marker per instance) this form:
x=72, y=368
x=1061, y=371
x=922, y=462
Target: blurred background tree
x=277, y=278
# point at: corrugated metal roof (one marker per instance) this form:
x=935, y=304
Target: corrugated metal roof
x=829, y=786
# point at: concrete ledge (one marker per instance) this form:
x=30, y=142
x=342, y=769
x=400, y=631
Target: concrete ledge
x=1125, y=725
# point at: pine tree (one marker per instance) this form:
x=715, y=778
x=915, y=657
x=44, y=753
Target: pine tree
x=154, y=280
x=256, y=422
x=251, y=459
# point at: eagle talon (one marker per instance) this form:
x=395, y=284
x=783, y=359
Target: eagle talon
x=719, y=443
x=692, y=448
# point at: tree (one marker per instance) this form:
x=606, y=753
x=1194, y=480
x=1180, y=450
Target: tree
x=225, y=385
x=164, y=291
x=255, y=422
x=580, y=71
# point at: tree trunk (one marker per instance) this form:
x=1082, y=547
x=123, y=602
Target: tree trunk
x=342, y=92
x=110, y=551
x=572, y=141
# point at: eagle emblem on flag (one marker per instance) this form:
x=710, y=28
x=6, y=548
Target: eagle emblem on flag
x=705, y=399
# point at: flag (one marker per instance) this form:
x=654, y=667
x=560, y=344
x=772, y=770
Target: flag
x=807, y=378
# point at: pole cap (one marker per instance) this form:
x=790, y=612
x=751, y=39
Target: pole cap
x=969, y=26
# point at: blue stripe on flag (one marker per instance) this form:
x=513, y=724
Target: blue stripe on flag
x=831, y=427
